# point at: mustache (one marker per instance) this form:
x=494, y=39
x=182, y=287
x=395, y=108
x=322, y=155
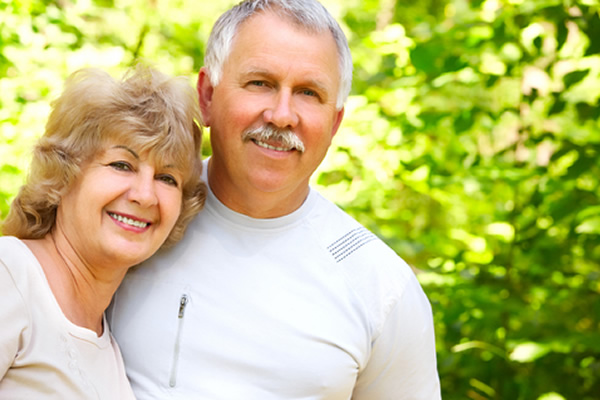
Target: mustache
x=266, y=133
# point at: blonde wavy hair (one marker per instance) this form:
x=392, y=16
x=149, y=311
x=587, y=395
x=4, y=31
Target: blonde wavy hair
x=147, y=110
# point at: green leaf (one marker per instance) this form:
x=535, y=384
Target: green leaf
x=424, y=56
x=573, y=77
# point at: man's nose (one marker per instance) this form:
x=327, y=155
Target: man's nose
x=282, y=112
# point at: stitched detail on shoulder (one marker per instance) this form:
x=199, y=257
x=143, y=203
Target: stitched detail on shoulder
x=350, y=242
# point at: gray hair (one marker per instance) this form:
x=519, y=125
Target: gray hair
x=309, y=14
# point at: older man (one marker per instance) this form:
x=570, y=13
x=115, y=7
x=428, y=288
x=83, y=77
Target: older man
x=275, y=293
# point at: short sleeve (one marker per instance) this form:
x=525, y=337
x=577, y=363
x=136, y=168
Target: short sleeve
x=13, y=319
x=402, y=365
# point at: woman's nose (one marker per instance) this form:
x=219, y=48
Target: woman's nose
x=143, y=190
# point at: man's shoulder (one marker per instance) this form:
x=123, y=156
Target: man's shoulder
x=345, y=236
x=328, y=213
x=377, y=275
x=357, y=249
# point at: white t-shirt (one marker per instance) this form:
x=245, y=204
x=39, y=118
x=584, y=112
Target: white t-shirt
x=42, y=354
x=307, y=306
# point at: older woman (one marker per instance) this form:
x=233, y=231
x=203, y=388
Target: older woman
x=115, y=176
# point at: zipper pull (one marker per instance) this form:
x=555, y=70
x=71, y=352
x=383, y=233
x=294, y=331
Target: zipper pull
x=173, y=377
x=182, y=303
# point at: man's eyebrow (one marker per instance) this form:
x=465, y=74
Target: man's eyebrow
x=133, y=153
x=252, y=73
x=252, y=70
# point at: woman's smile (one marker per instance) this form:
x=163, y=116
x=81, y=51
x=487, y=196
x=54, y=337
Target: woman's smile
x=128, y=203
x=129, y=220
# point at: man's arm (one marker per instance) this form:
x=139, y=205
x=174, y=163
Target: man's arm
x=403, y=364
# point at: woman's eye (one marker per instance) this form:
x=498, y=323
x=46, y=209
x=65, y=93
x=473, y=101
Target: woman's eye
x=121, y=166
x=168, y=179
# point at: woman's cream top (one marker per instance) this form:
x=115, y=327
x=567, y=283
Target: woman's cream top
x=42, y=354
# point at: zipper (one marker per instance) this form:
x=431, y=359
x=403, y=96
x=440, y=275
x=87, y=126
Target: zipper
x=180, y=314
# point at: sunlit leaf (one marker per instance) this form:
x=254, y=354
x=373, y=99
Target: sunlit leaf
x=589, y=225
x=551, y=396
x=503, y=230
x=528, y=352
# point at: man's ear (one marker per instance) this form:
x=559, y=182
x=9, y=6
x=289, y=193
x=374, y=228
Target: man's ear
x=205, y=93
x=339, y=116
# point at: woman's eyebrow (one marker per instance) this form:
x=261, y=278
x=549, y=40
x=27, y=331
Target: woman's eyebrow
x=120, y=146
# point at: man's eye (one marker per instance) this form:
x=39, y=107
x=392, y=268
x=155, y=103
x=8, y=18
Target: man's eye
x=257, y=83
x=311, y=93
x=168, y=179
x=121, y=166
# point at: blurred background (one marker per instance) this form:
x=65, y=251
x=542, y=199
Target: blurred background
x=470, y=145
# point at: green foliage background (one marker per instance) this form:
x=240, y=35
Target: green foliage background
x=471, y=145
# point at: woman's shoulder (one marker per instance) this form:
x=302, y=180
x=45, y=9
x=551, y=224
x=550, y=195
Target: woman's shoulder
x=13, y=250
x=16, y=292
x=9, y=240
x=17, y=260
x=11, y=243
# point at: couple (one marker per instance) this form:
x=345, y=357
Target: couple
x=273, y=292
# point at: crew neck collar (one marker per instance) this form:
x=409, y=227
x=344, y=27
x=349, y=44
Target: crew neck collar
x=216, y=207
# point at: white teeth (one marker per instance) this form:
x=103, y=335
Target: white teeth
x=268, y=146
x=129, y=221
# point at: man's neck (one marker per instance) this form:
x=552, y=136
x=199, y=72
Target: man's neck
x=254, y=203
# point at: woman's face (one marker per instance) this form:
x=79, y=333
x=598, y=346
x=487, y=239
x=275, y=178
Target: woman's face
x=121, y=208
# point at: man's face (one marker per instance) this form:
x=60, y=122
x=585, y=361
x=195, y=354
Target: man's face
x=278, y=76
